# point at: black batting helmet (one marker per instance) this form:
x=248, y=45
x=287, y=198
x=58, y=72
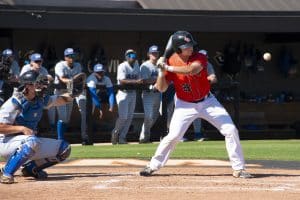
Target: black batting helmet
x=181, y=40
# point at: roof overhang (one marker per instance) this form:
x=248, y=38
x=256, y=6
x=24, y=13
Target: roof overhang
x=135, y=16
x=223, y=5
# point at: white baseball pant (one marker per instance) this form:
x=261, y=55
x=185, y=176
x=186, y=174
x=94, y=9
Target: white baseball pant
x=184, y=114
x=151, y=103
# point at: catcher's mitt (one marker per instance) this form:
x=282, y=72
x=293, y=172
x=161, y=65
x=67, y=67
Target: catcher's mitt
x=76, y=86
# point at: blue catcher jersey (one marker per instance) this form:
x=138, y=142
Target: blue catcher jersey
x=17, y=110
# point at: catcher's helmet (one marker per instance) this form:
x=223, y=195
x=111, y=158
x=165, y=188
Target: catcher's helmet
x=29, y=77
x=182, y=40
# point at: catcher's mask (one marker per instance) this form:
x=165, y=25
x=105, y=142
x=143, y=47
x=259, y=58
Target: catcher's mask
x=32, y=77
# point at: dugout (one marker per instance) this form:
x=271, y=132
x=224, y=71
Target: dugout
x=114, y=26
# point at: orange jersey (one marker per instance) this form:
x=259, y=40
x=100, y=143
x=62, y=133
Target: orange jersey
x=189, y=87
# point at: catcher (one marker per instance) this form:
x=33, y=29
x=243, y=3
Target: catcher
x=19, y=144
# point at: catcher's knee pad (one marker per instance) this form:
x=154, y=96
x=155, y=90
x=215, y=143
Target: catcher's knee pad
x=64, y=151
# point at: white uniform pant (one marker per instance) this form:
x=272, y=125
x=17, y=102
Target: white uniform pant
x=151, y=103
x=184, y=114
x=81, y=102
x=126, y=104
x=65, y=111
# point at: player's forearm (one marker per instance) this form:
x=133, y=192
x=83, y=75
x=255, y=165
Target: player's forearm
x=111, y=98
x=7, y=129
x=95, y=98
x=128, y=81
x=161, y=83
x=194, y=68
x=64, y=80
x=149, y=81
x=62, y=100
x=59, y=101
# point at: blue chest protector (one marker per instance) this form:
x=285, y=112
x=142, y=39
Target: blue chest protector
x=31, y=112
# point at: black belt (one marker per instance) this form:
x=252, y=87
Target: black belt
x=125, y=90
x=200, y=100
x=154, y=91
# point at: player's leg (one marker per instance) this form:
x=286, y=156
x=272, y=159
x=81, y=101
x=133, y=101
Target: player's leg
x=51, y=117
x=17, y=151
x=64, y=114
x=155, y=108
x=198, y=136
x=170, y=110
x=131, y=107
x=212, y=111
x=122, y=102
x=152, y=115
x=69, y=108
x=148, y=118
x=184, y=114
x=81, y=102
x=51, y=152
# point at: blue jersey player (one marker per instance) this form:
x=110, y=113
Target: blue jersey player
x=19, y=144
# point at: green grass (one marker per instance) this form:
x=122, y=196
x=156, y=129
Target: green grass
x=285, y=150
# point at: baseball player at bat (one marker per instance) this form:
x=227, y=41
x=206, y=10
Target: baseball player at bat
x=128, y=74
x=19, y=144
x=151, y=98
x=186, y=68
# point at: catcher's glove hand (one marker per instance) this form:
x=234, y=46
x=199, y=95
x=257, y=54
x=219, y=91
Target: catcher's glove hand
x=75, y=86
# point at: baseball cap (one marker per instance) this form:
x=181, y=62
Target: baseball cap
x=99, y=68
x=69, y=51
x=36, y=57
x=130, y=53
x=7, y=52
x=153, y=49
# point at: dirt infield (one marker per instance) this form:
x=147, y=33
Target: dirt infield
x=180, y=179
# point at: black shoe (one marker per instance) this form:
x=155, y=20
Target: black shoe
x=115, y=137
x=40, y=174
x=143, y=141
x=87, y=142
x=147, y=171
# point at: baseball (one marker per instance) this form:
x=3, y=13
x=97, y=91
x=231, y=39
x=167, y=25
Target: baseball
x=267, y=56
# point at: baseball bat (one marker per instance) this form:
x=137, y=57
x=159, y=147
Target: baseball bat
x=168, y=49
